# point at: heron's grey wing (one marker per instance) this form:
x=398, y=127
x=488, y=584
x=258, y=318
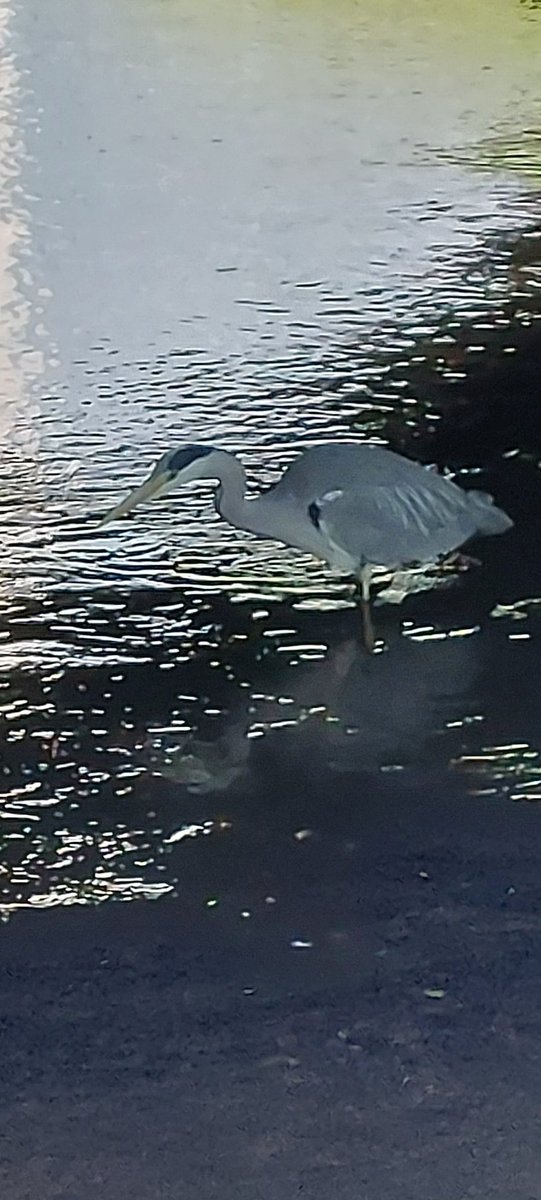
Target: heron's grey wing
x=347, y=465
x=378, y=507
x=402, y=523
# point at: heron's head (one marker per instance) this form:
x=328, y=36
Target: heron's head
x=174, y=467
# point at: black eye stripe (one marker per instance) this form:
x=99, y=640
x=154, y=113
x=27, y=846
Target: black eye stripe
x=186, y=455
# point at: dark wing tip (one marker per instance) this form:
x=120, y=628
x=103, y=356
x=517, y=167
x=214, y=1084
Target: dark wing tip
x=314, y=512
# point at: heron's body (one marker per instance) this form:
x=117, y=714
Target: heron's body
x=362, y=505
x=355, y=506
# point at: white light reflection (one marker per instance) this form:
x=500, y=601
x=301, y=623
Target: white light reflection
x=189, y=831
x=31, y=882
x=519, y=610
x=514, y=768
x=428, y=633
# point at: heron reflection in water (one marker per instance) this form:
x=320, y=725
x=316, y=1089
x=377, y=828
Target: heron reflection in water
x=345, y=712
x=358, y=507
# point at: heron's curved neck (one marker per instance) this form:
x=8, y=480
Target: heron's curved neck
x=257, y=515
x=229, y=499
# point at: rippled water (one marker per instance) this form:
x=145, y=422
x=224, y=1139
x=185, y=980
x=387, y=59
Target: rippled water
x=262, y=229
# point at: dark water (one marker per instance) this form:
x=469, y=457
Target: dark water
x=222, y=239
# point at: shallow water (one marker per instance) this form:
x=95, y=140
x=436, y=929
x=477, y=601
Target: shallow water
x=290, y=225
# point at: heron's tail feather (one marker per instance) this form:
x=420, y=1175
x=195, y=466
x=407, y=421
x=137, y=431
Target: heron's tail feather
x=490, y=518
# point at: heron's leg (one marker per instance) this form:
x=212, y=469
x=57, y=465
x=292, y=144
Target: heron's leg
x=365, y=579
x=369, y=637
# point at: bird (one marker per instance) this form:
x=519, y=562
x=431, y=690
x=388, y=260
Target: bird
x=357, y=506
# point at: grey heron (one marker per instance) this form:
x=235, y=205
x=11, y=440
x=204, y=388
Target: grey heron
x=357, y=506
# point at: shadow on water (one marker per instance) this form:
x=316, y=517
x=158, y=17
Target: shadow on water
x=212, y=751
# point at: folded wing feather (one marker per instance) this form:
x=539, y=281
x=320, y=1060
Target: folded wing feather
x=396, y=525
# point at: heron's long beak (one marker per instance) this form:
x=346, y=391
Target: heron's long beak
x=158, y=482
